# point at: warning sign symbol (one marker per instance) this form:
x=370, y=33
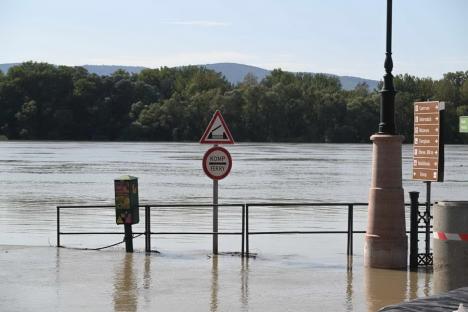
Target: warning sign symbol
x=217, y=131
x=219, y=135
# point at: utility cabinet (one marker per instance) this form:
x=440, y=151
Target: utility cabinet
x=126, y=200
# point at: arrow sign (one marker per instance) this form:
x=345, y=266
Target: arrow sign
x=217, y=131
x=428, y=149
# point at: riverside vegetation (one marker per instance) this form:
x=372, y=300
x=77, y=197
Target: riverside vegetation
x=40, y=101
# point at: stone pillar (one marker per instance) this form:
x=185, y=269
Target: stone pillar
x=386, y=244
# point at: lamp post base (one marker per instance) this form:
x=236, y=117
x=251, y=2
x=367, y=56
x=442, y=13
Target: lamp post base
x=386, y=244
x=383, y=253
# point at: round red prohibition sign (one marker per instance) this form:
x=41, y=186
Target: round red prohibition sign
x=217, y=163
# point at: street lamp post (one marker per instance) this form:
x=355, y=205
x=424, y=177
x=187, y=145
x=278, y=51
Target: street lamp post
x=386, y=241
x=387, y=99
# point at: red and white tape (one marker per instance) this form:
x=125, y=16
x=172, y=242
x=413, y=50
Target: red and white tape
x=451, y=236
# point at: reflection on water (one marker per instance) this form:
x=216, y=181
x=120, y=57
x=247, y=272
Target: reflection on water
x=147, y=280
x=71, y=280
x=428, y=288
x=349, y=285
x=125, y=286
x=244, y=281
x=214, y=284
x=147, y=276
x=385, y=287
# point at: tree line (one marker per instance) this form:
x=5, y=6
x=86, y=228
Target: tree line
x=40, y=101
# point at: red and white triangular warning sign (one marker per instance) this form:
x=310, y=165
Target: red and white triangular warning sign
x=217, y=131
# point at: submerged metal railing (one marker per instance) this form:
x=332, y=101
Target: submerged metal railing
x=350, y=228
x=245, y=232
x=148, y=231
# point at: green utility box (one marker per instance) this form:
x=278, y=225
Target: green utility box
x=126, y=200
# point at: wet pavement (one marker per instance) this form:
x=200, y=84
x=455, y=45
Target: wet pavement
x=59, y=279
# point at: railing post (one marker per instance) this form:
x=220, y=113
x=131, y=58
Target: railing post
x=349, y=250
x=147, y=229
x=247, y=229
x=414, y=197
x=58, y=226
x=128, y=238
x=243, y=230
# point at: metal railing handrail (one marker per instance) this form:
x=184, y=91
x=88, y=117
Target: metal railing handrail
x=244, y=233
x=350, y=231
x=324, y=204
x=151, y=205
x=315, y=204
x=148, y=231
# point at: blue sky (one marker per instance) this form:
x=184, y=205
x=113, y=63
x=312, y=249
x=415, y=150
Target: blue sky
x=345, y=37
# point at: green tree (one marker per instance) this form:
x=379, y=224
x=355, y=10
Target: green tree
x=43, y=101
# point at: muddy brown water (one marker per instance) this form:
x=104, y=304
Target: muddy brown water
x=51, y=279
x=290, y=273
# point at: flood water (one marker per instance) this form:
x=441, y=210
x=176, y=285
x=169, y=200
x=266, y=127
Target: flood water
x=50, y=279
x=295, y=273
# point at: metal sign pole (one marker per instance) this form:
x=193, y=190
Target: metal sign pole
x=217, y=162
x=215, y=217
x=428, y=218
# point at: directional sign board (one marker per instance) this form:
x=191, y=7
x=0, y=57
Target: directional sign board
x=217, y=131
x=428, y=148
x=217, y=163
x=463, y=124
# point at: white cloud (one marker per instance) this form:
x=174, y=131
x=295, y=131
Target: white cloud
x=198, y=23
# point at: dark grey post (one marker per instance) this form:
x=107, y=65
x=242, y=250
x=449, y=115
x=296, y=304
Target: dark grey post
x=58, y=226
x=349, y=250
x=128, y=238
x=414, y=197
x=215, y=217
x=147, y=229
x=428, y=219
x=243, y=230
x=387, y=94
x=247, y=229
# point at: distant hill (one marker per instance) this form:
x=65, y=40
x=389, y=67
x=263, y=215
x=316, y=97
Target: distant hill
x=350, y=82
x=5, y=67
x=106, y=70
x=102, y=70
x=233, y=72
